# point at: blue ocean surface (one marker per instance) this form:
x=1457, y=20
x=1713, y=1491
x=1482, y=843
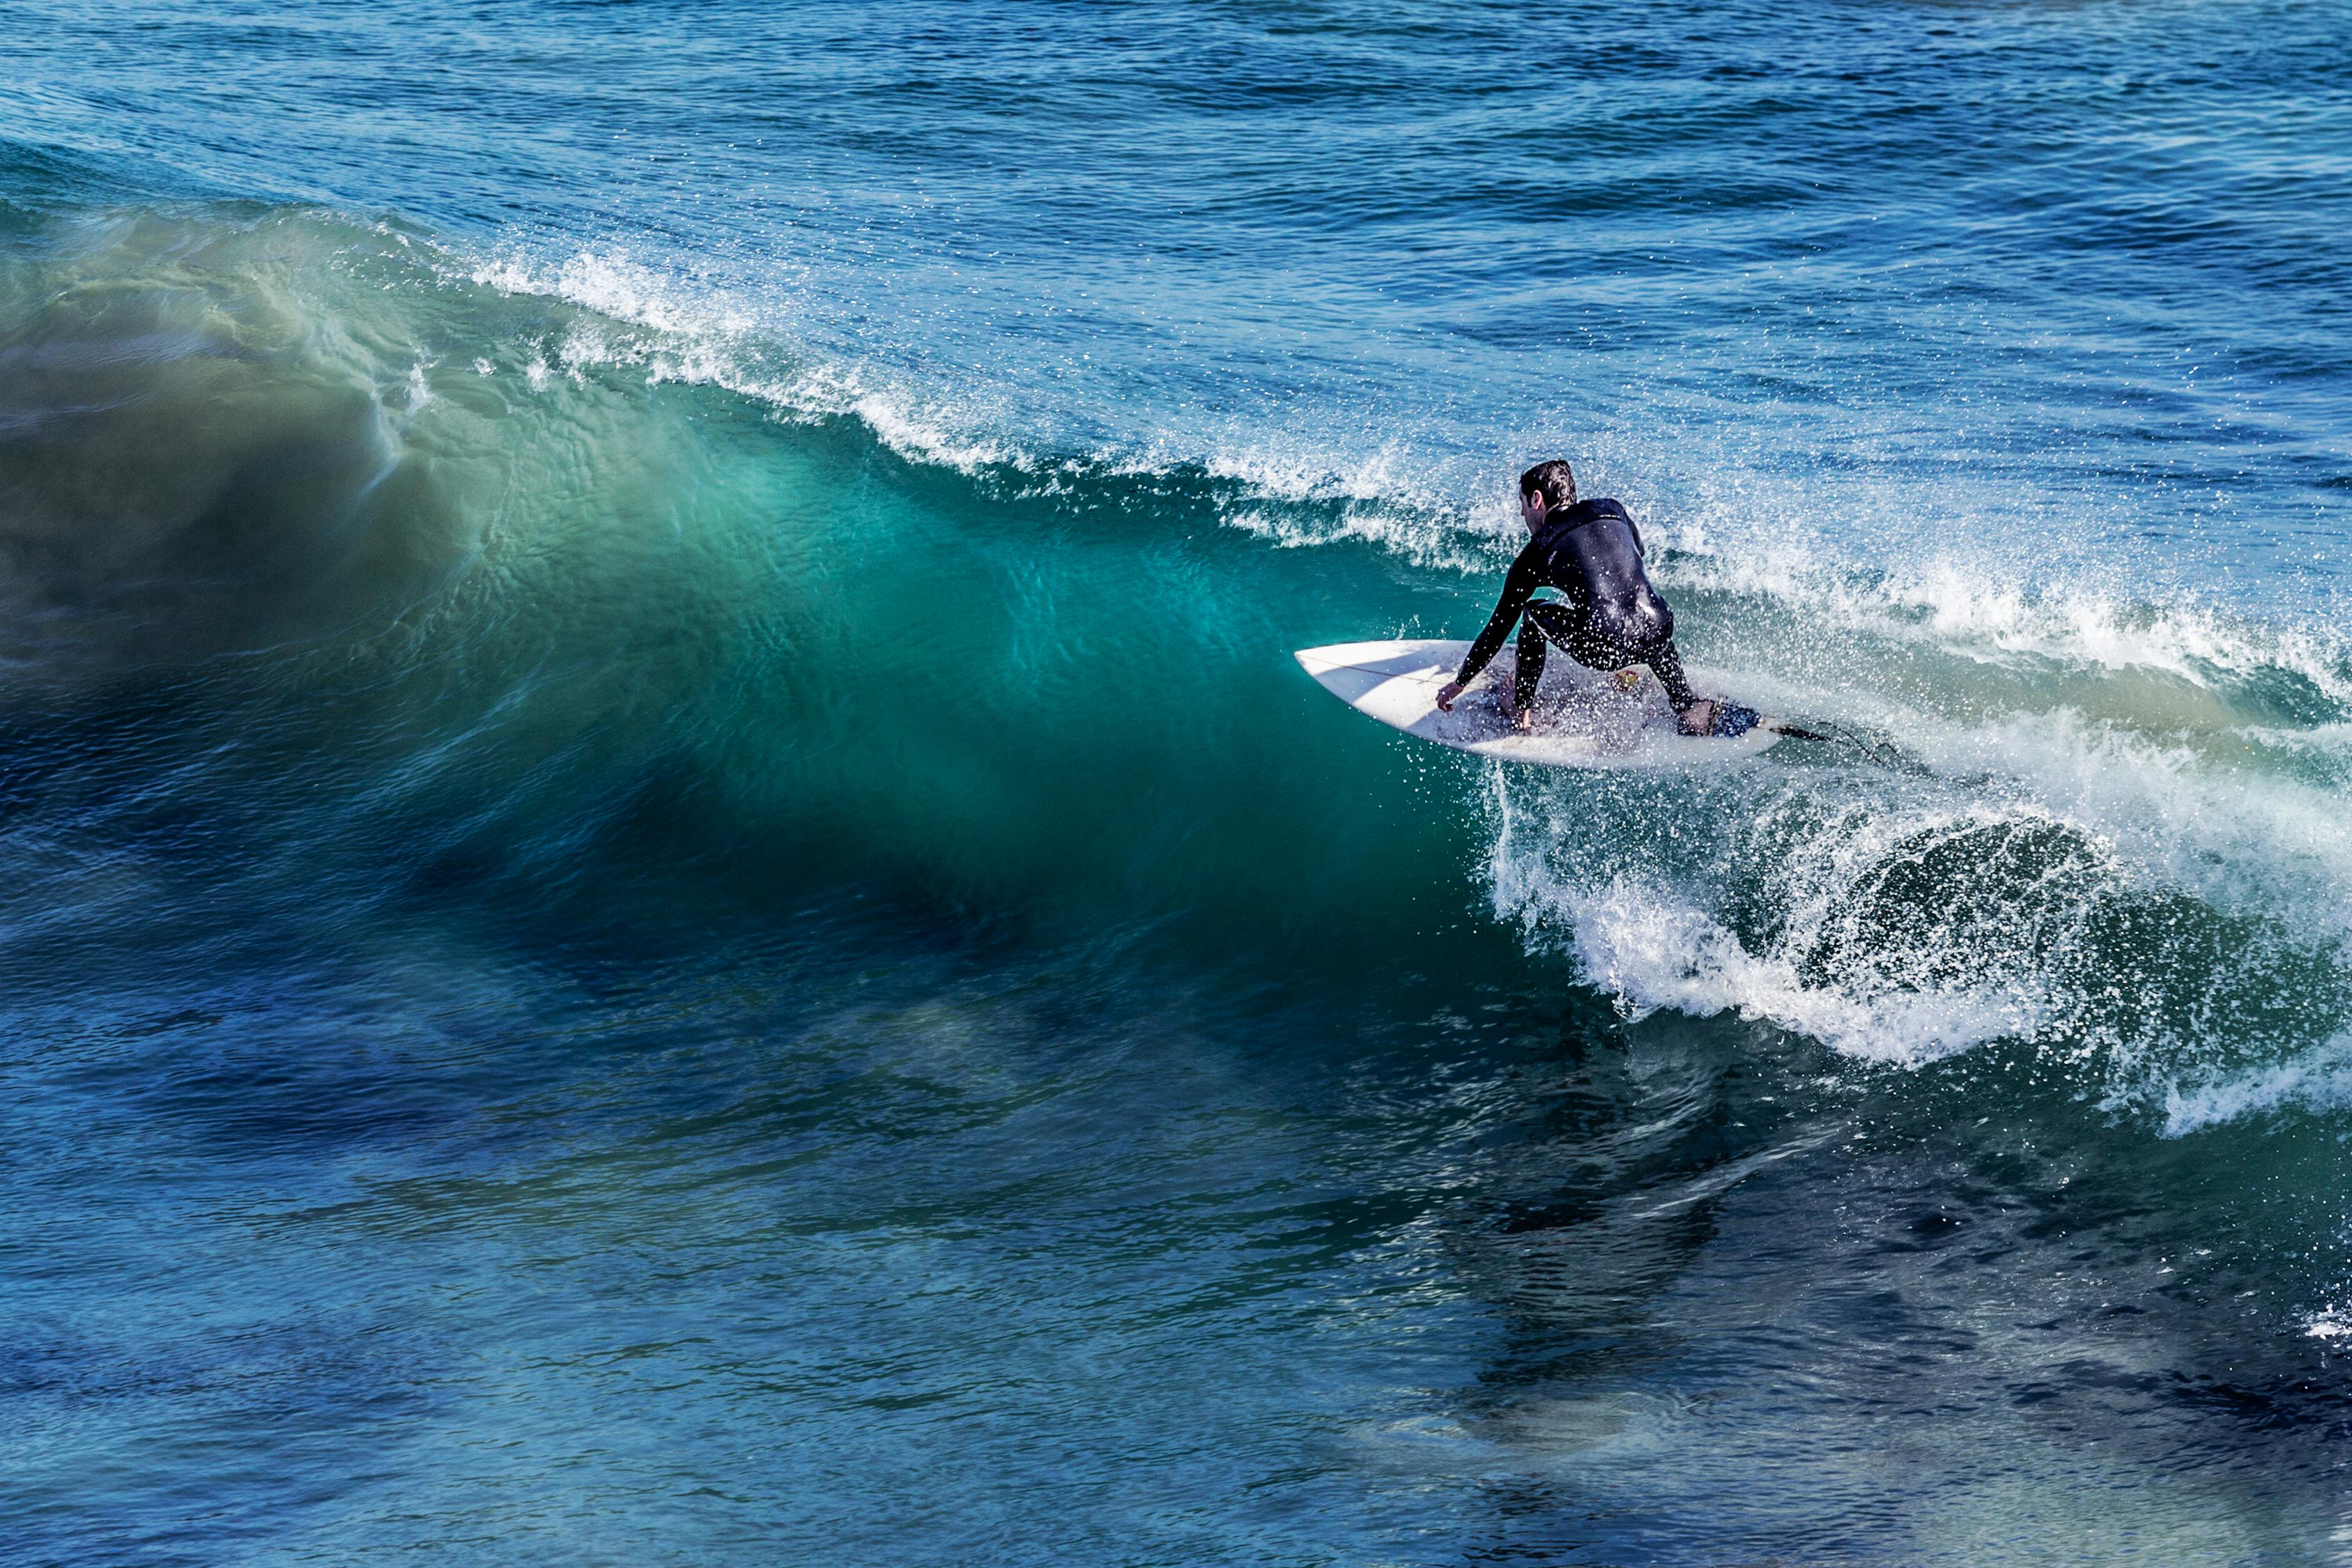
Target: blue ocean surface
x=668, y=895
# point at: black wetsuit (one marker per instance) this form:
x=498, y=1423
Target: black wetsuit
x=1609, y=616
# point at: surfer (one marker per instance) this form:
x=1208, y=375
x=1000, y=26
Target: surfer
x=1609, y=618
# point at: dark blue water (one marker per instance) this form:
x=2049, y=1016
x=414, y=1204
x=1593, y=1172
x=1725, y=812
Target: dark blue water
x=667, y=895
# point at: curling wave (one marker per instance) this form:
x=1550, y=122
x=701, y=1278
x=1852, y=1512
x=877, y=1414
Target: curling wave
x=542, y=547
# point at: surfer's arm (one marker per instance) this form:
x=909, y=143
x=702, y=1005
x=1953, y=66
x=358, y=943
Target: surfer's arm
x=1525, y=576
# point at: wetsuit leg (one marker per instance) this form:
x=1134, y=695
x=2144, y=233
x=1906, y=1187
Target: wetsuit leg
x=1552, y=622
x=1539, y=622
x=1667, y=666
x=1594, y=651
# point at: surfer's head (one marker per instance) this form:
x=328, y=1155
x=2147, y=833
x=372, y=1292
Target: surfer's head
x=1546, y=486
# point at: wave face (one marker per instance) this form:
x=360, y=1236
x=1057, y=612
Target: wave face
x=667, y=886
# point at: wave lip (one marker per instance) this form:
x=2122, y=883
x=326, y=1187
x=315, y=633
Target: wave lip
x=1437, y=499
x=696, y=335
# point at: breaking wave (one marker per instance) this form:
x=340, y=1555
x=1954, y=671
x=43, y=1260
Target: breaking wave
x=2102, y=824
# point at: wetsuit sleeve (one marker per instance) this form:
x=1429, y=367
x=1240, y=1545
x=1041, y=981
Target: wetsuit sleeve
x=1525, y=576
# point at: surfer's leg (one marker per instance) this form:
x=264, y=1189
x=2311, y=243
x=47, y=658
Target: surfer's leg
x=1694, y=714
x=1588, y=646
x=1585, y=644
x=1667, y=666
x=1534, y=631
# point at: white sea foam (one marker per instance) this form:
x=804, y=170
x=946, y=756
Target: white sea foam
x=1971, y=609
x=1406, y=534
x=2240, y=838
x=1653, y=949
x=691, y=335
x=613, y=284
x=1899, y=919
x=2319, y=1080
x=2334, y=1325
x=1657, y=937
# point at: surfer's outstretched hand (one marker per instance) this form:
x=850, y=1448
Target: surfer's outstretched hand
x=1698, y=719
x=1446, y=694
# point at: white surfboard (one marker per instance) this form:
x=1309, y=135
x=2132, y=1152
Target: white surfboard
x=1584, y=718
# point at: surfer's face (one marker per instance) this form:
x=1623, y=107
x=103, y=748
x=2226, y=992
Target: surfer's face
x=1531, y=508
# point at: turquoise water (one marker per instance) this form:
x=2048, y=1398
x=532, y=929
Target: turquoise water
x=670, y=897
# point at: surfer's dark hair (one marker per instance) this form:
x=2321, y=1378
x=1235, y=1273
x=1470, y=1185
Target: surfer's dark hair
x=1554, y=480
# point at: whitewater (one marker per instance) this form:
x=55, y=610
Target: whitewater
x=669, y=896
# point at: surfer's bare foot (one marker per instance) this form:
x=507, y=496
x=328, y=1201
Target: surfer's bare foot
x=1697, y=718
x=1524, y=723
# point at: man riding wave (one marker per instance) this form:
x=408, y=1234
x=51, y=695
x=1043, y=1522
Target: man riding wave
x=1608, y=618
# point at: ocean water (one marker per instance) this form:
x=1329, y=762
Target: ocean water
x=668, y=897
